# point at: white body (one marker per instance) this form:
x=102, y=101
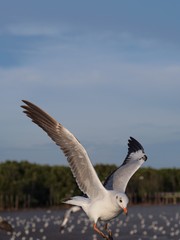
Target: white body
x=102, y=208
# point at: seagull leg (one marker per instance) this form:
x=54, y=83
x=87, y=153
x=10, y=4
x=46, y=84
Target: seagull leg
x=108, y=231
x=100, y=233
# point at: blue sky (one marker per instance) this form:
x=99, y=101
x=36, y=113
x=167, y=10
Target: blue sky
x=105, y=70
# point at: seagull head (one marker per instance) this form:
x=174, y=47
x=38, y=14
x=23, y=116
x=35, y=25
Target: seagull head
x=122, y=201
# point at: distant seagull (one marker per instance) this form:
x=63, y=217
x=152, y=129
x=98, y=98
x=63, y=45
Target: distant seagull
x=4, y=225
x=102, y=202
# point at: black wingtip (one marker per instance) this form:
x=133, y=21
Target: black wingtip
x=134, y=145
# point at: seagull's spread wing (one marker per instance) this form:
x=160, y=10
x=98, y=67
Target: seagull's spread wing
x=119, y=179
x=77, y=157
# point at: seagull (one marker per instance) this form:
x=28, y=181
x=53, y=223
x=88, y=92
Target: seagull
x=102, y=202
x=4, y=225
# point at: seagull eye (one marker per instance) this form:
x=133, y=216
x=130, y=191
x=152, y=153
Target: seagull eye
x=120, y=200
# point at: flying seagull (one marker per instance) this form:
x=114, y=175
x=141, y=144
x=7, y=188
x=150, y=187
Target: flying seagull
x=102, y=202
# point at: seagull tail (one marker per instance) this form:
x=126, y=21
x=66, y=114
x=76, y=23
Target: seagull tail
x=77, y=201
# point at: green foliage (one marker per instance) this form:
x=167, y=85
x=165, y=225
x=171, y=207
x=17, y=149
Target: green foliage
x=25, y=185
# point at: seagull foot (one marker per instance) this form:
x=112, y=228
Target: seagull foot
x=107, y=237
x=110, y=238
x=110, y=235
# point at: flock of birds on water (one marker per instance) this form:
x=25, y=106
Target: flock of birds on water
x=102, y=203
x=137, y=225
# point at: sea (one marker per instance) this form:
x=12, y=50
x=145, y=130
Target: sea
x=160, y=222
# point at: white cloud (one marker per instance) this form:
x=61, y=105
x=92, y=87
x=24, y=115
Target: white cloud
x=18, y=75
x=30, y=29
x=55, y=71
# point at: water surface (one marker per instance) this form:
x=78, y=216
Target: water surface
x=142, y=223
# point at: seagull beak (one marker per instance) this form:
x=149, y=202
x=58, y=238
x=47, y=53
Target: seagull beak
x=125, y=211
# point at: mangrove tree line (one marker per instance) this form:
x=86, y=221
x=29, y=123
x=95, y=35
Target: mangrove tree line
x=24, y=184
